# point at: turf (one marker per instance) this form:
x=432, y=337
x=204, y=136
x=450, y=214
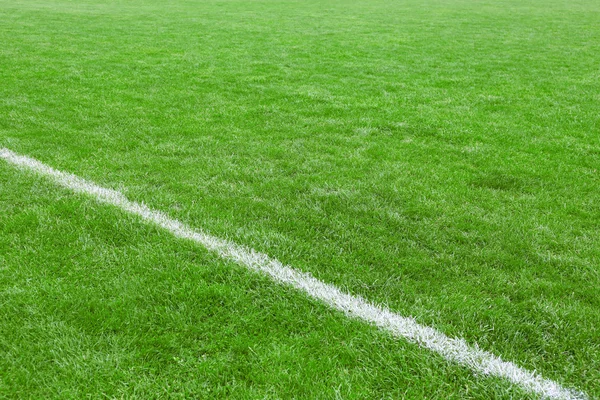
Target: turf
x=96, y=304
x=439, y=157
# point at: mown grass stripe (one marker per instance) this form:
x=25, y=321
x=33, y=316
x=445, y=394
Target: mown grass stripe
x=453, y=349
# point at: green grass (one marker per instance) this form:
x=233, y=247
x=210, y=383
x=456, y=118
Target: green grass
x=439, y=157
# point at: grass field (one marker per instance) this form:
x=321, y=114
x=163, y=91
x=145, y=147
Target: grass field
x=438, y=157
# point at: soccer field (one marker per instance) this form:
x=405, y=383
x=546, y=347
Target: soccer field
x=328, y=199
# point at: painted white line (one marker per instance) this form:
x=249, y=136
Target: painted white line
x=453, y=349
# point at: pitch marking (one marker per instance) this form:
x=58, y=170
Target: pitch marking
x=452, y=349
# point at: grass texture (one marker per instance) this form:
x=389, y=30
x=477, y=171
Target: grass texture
x=438, y=157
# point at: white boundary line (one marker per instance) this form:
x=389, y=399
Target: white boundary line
x=452, y=349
